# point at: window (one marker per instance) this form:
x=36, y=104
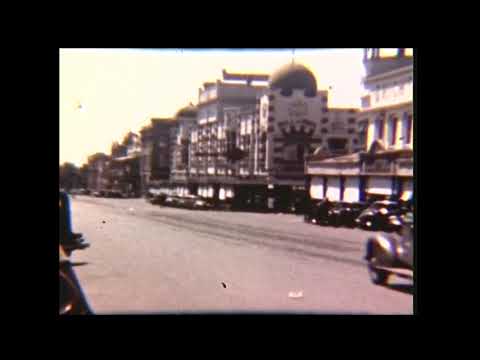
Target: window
x=351, y=131
x=409, y=129
x=324, y=120
x=325, y=110
x=337, y=144
x=351, y=120
x=407, y=123
x=324, y=130
x=379, y=125
x=249, y=126
x=392, y=130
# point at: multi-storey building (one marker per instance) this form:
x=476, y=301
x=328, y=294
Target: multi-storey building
x=294, y=121
x=250, y=143
x=156, y=153
x=124, y=166
x=185, y=120
x=214, y=147
x=384, y=167
x=97, y=168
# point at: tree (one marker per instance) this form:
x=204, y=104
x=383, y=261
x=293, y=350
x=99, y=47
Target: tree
x=69, y=176
x=83, y=174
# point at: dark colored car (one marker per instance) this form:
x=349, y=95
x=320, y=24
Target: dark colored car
x=202, y=204
x=188, y=201
x=117, y=194
x=320, y=210
x=381, y=215
x=388, y=254
x=158, y=199
x=344, y=213
x=171, y=200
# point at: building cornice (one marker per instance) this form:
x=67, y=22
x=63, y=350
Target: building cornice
x=403, y=70
x=386, y=108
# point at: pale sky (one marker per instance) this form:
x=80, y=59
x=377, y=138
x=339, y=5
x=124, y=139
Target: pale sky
x=104, y=93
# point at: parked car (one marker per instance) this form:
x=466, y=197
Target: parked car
x=171, y=200
x=202, y=204
x=345, y=213
x=117, y=194
x=158, y=199
x=188, y=201
x=320, y=210
x=381, y=215
x=388, y=254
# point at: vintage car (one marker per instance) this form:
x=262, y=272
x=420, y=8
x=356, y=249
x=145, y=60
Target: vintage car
x=319, y=214
x=171, y=200
x=344, y=213
x=188, y=201
x=388, y=254
x=101, y=193
x=381, y=215
x=202, y=204
x=157, y=199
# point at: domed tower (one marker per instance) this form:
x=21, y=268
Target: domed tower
x=293, y=76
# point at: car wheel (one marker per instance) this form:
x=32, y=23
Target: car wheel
x=377, y=276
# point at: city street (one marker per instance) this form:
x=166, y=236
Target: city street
x=150, y=259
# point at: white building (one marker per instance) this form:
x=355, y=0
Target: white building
x=296, y=119
x=385, y=166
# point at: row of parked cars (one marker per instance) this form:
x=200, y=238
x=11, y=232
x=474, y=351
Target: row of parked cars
x=382, y=215
x=180, y=201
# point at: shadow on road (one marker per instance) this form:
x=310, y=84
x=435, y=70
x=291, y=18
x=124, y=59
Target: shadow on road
x=405, y=288
x=79, y=263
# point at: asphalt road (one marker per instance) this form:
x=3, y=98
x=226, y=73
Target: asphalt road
x=151, y=259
